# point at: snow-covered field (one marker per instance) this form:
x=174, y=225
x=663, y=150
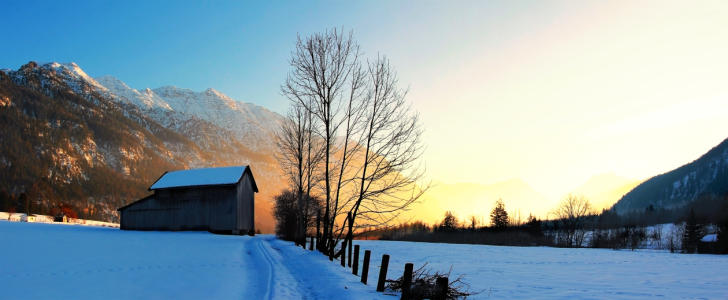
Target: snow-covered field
x=80, y=262
x=49, y=261
x=553, y=273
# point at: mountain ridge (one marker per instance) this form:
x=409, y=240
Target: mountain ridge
x=676, y=188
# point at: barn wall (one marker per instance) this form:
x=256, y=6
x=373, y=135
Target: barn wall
x=246, y=204
x=209, y=208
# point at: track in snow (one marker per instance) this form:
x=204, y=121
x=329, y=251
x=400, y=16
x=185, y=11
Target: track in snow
x=271, y=270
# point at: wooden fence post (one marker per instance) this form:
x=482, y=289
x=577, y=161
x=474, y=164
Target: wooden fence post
x=441, y=288
x=383, y=273
x=407, y=280
x=332, y=249
x=343, y=254
x=350, y=236
x=355, y=266
x=310, y=245
x=365, y=266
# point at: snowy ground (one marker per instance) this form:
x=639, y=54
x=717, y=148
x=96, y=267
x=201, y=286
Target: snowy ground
x=553, y=273
x=53, y=261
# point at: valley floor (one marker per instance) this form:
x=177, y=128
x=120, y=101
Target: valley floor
x=558, y=273
x=79, y=262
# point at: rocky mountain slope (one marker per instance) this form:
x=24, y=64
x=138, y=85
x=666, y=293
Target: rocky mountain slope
x=98, y=144
x=707, y=174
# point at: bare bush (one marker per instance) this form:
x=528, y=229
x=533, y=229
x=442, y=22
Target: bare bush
x=674, y=238
x=656, y=235
x=424, y=285
x=573, y=215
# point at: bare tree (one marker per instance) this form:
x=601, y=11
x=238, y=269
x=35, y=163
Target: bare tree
x=474, y=221
x=299, y=157
x=389, y=178
x=327, y=80
x=371, y=141
x=656, y=235
x=573, y=214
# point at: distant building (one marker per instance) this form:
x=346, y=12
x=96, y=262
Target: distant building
x=4, y=215
x=707, y=244
x=219, y=200
x=43, y=219
x=27, y=218
x=16, y=217
x=61, y=217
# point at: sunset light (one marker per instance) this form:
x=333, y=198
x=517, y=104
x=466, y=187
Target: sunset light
x=286, y=137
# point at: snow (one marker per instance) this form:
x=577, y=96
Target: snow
x=105, y=263
x=144, y=99
x=200, y=177
x=556, y=273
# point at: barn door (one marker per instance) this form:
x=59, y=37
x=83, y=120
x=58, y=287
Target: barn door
x=194, y=214
x=184, y=214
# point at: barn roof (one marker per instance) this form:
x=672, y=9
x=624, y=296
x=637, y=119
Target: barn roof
x=203, y=177
x=135, y=202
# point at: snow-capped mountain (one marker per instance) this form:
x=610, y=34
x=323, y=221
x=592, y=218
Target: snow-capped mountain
x=173, y=106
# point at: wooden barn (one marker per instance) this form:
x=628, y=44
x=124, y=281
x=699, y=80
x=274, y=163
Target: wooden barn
x=708, y=244
x=219, y=200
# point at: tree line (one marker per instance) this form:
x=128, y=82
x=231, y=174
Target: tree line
x=574, y=224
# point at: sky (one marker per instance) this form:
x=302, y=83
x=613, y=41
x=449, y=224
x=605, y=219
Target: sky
x=550, y=92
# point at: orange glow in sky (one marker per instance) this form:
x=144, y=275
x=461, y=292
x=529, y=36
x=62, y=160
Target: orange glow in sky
x=553, y=93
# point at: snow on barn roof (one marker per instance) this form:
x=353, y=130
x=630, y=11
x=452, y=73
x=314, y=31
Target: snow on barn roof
x=710, y=238
x=202, y=177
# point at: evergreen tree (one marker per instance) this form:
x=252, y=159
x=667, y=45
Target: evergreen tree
x=450, y=222
x=4, y=200
x=722, y=243
x=692, y=234
x=23, y=204
x=499, y=215
x=534, y=226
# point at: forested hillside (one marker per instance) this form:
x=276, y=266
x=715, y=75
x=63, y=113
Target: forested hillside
x=707, y=175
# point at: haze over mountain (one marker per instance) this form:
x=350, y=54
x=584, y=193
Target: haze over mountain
x=63, y=130
x=477, y=199
x=605, y=189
